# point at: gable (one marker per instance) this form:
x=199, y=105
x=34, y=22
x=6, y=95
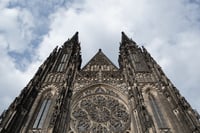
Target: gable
x=100, y=62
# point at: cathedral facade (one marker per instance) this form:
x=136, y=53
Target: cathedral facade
x=135, y=97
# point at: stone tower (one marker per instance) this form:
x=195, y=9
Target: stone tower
x=137, y=97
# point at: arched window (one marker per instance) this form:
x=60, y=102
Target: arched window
x=62, y=64
x=157, y=112
x=42, y=114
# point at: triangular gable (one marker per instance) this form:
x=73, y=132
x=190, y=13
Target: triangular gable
x=100, y=62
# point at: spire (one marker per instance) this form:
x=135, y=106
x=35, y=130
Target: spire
x=73, y=40
x=126, y=40
x=124, y=37
x=75, y=37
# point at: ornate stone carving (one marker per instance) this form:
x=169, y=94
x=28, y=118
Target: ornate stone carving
x=145, y=77
x=100, y=113
x=113, y=78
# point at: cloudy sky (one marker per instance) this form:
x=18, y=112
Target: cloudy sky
x=30, y=29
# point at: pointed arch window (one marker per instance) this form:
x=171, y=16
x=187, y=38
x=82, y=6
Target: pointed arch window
x=157, y=112
x=62, y=64
x=42, y=114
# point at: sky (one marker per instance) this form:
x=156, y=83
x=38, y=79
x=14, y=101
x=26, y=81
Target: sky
x=30, y=29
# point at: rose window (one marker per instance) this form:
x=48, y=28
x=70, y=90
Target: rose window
x=100, y=113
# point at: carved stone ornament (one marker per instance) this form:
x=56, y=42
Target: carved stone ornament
x=100, y=114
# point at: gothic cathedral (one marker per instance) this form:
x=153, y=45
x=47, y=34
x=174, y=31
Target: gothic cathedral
x=135, y=97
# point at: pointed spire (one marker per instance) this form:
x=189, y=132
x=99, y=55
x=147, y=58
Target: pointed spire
x=126, y=39
x=75, y=37
x=74, y=40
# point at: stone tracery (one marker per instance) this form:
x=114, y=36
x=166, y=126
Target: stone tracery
x=100, y=113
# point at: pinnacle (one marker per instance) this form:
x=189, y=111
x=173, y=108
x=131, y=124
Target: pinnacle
x=75, y=36
x=74, y=40
x=126, y=39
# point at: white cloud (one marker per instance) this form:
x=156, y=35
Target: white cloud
x=15, y=36
x=4, y=3
x=168, y=29
x=16, y=27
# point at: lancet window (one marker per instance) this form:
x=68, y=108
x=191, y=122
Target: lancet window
x=157, y=112
x=61, y=66
x=42, y=114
